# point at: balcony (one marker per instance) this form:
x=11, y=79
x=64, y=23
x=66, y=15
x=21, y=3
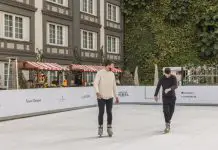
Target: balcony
x=23, y=4
x=58, y=50
x=88, y=17
x=27, y=2
x=115, y=57
x=89, y=54
x=112, y=24
x=15, y=45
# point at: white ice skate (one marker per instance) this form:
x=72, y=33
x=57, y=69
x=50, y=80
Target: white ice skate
x=167, y=129
x=100, y=131
x=110, y=131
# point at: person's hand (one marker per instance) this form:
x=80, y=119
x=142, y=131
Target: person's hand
x=117, y=100
x=156, y=98
x=167, y=90
x=98, y=95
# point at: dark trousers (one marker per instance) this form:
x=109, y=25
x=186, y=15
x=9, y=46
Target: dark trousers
x=168, y=108
x=101, y=106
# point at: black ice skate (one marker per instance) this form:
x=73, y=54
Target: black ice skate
x=100, y=131
x=109, y=131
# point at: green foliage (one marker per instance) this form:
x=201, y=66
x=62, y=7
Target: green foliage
x=179, y=10
x=130, y=7
x=207, y=28
x=127, y=78
x=163, y=32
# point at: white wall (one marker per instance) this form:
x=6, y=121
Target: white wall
x=102, y=22
x=22, y=102
x=38, y=24
x=2, y=74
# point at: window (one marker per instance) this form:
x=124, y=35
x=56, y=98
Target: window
x=113, y=13
x=9, y=26
x=52, y=76
x=6, y=75
x=89, y=6
x=90, y=76
x=61, y=77
x=113, y=44
x=57, y=34
x=14, y=27
x=88, y=40
x=59, y=2
x=19, y=27
x=52, y=33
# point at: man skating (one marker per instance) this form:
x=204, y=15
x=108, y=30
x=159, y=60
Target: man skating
x=105, y=86
x=169, y=84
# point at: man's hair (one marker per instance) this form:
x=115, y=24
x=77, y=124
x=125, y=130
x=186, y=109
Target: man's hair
x=107, y=63
x=167, y=70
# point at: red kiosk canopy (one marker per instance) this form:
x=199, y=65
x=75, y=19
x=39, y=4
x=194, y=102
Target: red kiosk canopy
x=42, y=66
x=90, y=68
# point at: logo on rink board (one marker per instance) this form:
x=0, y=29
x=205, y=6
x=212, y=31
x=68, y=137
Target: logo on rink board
x=86, y=96
x=123, y=93
x=33, y=100
x=62, y=99
x=188, y=95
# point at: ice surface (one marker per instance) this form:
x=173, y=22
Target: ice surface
x=135, y=128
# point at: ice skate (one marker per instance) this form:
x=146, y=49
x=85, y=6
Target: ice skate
x=100, y=131
x=167, y=129
x=109, y=131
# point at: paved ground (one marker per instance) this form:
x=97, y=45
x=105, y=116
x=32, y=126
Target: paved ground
x=135, y=127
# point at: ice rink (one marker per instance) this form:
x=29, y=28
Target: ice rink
x=136, y=127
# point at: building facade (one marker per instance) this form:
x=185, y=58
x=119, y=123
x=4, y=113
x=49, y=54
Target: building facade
x=65, y=31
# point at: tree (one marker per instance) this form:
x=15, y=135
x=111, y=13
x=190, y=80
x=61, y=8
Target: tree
x=163, y=32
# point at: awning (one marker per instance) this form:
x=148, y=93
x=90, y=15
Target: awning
x=91, y=68
x=117, y=70
x=42, y=66
x=83, y=68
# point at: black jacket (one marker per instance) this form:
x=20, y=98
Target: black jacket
x=166, y=83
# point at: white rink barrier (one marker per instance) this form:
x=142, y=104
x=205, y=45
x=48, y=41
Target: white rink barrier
x=16, y=103
x=22, y=103
x=188, y=95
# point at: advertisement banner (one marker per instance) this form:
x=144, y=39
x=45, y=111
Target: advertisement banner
x=131, y=94
x=18, y=102
x=197, y=94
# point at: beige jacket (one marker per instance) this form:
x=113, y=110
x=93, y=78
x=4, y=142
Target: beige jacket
x=105, y=84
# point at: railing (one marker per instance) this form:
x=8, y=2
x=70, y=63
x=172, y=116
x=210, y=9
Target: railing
x=50, y=49
x=202, y=75
x=88, y=17
x=113, y=24
x=23, y=1
x=13, y=44
x=58, y=8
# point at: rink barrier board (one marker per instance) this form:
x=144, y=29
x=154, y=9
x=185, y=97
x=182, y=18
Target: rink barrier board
x=43, y=113
x=178, y=104
x=16, y=104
